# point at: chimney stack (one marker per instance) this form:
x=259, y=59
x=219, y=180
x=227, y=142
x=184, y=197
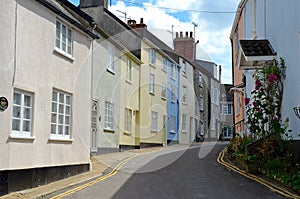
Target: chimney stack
x=185, y=45
x=93, y=3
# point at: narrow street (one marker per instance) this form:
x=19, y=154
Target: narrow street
x=175, y=172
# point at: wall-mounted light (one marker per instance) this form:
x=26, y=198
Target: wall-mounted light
x=297, y=111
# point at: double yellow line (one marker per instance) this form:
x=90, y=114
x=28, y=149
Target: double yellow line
x=271, y=186
x=76, y=189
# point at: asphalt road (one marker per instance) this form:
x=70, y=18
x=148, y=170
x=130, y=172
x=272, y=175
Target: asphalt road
x=180, y=172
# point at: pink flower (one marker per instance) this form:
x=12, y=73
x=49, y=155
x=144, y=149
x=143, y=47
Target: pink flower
x=257, y=84
x=272, y=78
x=275, y=118
x=254, y=104
x=247, y=100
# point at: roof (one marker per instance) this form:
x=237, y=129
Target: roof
x=62, y=7
x=225, y=90
x=254, y=53
x=257, y=48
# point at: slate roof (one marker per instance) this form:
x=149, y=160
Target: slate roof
x=60, y=7
x=257, y=47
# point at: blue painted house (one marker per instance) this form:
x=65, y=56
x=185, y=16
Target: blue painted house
x=173, y=102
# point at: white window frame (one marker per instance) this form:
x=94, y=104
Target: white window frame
x=152, y=84
x=128, y=69
x=163, y=91
x=172, y=124
x=152, y=58
x=110, y=58
x=164, y=64
x=200, y=80
x=64, y=39
x=213, y=122
x=201, y=104
x=184, y=94
x=61, y=115
x=183, y=68
x=154, y=121
x=109, y=116
x=128, y=120
x=173, y=94
x=21, y=106
x=184, y=123
x=202, y=132
x=226, y=109
x=228, y=130
x=173, y=71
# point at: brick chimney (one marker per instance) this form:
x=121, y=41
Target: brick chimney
x=132, y=23
x=185, y=45
x=93, y=3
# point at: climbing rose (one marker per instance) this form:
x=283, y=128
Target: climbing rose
x=247, y=100
x=272, y=78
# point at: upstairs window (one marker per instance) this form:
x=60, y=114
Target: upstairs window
x=173, y=94
x=183, y=68
x=151, y=87
x=128, y=70
x=152, y=56
x=173, y=71
x=201, y=104
x=163, y=91
x=64, y=38
x=164, y=64
x=128, y=120
x=110, y=58
x=184, y=94
x=200, y=80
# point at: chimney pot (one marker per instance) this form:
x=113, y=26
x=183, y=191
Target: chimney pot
x=176, y=34
x=191, y=34
x=141, y=21
x=181, y=34
x=186, y=34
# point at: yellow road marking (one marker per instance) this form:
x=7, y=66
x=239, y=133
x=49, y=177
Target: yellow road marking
x=271, y=186
x=76, y=189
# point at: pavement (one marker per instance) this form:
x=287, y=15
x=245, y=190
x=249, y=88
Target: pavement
x=99, y=165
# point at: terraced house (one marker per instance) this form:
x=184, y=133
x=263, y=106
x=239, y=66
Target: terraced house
x=48, y=92
x=116, y=80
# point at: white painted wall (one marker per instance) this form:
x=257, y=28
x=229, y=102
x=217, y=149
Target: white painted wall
x=38, y=70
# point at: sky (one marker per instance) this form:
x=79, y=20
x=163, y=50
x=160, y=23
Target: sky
x=214, y=19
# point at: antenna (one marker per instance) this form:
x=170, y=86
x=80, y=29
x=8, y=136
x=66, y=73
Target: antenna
x=124, y=13
x=195, y=25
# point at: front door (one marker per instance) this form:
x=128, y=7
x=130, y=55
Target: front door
x=94, y=129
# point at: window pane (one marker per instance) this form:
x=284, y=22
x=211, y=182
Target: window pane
x=16, y=125
x=17, y=98
x=26, y=113
x=16, y=111
x=61, y=108
x=67, y=130
x=60, y=129
x=67, y=119
x=61, y=98
x=54, y=107
x=53, y=129
x=53, y=117
x=26, y=125
x=54, y=96
x=60, y=119
x=68, y=100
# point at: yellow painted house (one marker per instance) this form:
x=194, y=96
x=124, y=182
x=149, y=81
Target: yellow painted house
x=153, y=100
x=129, y=101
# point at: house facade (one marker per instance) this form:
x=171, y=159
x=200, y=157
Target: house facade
x=116, y=80
x=189, y=109
x=226, y=111
x=201, y=88
x=48, y=92
x=259, y=24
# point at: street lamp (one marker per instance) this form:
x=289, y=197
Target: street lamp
x=297, y=111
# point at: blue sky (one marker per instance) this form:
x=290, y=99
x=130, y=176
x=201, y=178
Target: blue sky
x=213, y=28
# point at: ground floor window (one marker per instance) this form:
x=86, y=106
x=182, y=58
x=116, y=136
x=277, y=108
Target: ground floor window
x=227, y=132
x=22, y=114
x=61, y=114
x=172, y=123
x=154, y=121
x=128, y=120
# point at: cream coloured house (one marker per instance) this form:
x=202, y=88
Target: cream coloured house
x=45, y=66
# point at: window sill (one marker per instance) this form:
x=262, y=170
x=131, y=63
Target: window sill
x=154, y=131
x=21, y=137
x=109, y=130
x=172, y=132
x=110, y=71
x=128, y=82
x=151, y=93
x=184, y=75
x=127, y=133
x=165, y=70
x=64, y=54
x=152, y=64
x=184, y=131
x=184, y=103
x=164, y=98
x=60, y=139
x=173, y=78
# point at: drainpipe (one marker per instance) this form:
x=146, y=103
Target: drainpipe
x=15, y=45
